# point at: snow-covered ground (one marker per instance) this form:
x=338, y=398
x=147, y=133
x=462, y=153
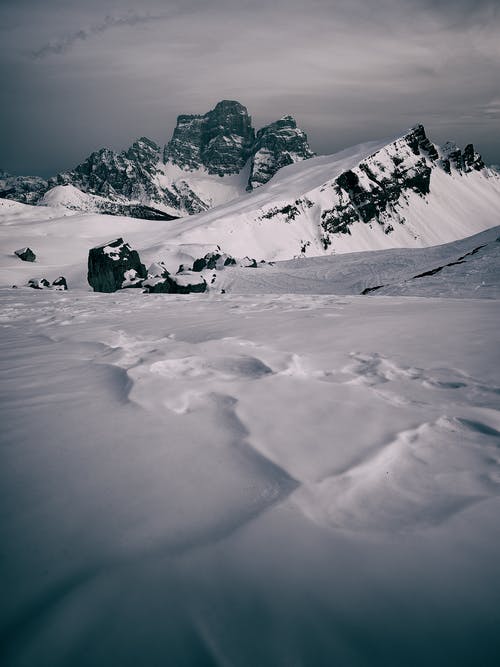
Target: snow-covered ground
x=249, y=479
x=289, y=473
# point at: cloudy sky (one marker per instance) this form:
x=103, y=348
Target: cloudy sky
x=77, y=75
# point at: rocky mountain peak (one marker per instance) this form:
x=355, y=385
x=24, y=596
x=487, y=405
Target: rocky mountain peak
x=277, y=145
x=144, y=151
x=219, y=141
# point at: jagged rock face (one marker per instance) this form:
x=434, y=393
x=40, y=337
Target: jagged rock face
x=465, y=161
x=130, y=183
x=375, y=190
x=220, y=141
x=141, y=182
x=117, y=176
x=371, y=191
x=112, y=264
x=25, y=189
x=277, y=145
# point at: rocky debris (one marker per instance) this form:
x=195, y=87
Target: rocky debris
x=60, y=283
x=188, y=282
x=109, y=265
x=213, y=260
x=248, y=263
x=220, y=141
x=277, y=145
x=38, y=283
x=160, y=281
x=26, y=254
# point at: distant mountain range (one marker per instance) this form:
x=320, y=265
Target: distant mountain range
x=210, y=159
x=271, y=197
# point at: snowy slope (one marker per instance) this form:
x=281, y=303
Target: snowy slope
x=459, y=204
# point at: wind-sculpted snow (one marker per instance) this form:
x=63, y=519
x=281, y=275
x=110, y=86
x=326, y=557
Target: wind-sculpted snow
x=248, y=479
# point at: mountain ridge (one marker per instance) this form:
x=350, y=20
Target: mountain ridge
x=206, y=153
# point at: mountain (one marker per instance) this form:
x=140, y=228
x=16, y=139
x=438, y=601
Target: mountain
x=403, y=192
x=25, y=189
x=210, y=159
x=277, y=145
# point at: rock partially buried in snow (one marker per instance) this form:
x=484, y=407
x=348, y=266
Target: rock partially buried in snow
x=60, y=284
x=159, y=281
x=38, y=283
x=110, y=266
x=188, y=282
x=213, y=260
x=26, y=254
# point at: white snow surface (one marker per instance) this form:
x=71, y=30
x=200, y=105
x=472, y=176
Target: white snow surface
x=249, y=479
x=289, y=473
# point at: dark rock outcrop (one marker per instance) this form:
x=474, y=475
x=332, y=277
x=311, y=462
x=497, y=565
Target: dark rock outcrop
x=213, y=260
x=220, y=141
x=25, y=189
x=160, y=281
x=60, y=283
x=26, y=254
x=111, y=264
x=128, y=177
x=370, y=192
x=277, y=145
x=462, y=161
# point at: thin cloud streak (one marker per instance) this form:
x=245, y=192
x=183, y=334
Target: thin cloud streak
x=66, y=43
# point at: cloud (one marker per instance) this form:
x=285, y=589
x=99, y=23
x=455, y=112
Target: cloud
x=65, y=43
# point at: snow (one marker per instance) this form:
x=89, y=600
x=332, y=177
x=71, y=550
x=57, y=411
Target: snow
x=287, y=473
x=458, y=206
x=176, y=469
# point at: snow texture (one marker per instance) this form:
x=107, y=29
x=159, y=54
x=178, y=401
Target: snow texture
x=304, y=470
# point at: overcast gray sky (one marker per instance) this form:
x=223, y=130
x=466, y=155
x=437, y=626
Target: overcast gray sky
x=76, y=76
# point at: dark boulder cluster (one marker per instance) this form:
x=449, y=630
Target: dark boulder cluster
x=58, y=284
x=115, y=265
x=159, y=280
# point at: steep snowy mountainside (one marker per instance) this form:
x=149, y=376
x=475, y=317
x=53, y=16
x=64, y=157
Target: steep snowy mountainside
x=404, y=192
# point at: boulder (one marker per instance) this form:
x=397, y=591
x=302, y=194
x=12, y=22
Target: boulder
x=26, y=254
x=38, y=283
x=110, y=264
x=188, y=282
x=60, y=283
x=159, y=281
